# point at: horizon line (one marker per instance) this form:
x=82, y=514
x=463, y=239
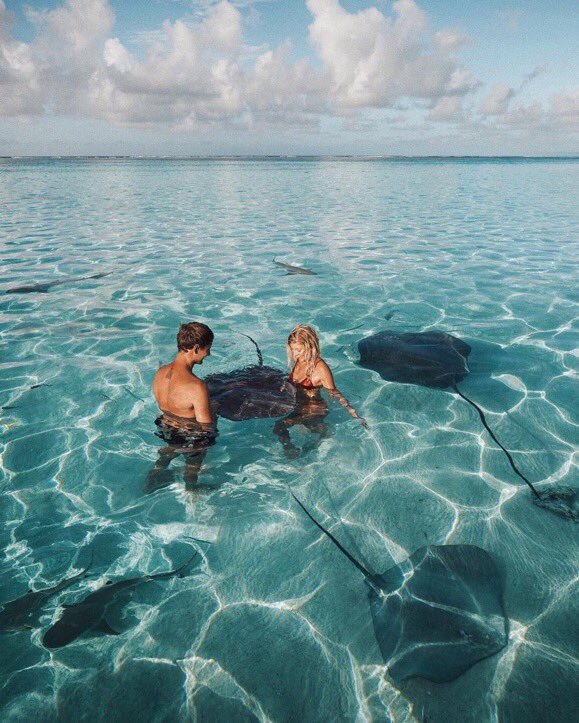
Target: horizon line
x=293, y=156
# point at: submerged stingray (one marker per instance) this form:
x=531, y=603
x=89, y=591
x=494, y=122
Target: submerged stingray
x=437, y=613
x=292, y=270
x=23, y=613
x=43, y=288
x=429, y=358
x=253, y=392
x=90, y=613
x=439, y=360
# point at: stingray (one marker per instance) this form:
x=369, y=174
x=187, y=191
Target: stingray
x=90, y=612
x=254, y=392
x=44, y=288
x=293, y=270
x=437, y=613
x=439, y=360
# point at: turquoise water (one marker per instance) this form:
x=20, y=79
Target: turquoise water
x=273, y=623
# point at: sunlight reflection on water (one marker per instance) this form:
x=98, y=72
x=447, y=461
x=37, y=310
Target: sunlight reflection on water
x=274, y=623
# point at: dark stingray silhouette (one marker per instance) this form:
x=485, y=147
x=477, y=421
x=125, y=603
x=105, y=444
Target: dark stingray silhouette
x=437, y=613
x=439, y=360
x=293, y=270
x=44, y=288
x=23, y=613
x=429, y=358
x=90, y=613
x=253, y=392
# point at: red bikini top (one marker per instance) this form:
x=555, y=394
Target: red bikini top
x=305, y=383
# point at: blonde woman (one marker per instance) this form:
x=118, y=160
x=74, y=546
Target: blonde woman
x=310, y=374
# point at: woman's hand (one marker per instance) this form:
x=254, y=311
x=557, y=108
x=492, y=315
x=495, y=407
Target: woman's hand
x=337, y=394
x=362, y=421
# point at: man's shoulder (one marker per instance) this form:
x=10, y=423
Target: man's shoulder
x=162, y=370
x=189, y=381
x=199, y=383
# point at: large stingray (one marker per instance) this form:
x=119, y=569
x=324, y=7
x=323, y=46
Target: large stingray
x=253, y=392
x=437, y=359
x=437, y=613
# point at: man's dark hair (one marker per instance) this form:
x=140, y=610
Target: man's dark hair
x=194, y=334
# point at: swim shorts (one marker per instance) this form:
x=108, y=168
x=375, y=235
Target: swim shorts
x=183, y=432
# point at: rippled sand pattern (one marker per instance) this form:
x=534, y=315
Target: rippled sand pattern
x=273, y=623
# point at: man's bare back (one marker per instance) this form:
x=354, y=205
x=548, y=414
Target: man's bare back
x=178, y=391
x=181, y=393
x=186, y=422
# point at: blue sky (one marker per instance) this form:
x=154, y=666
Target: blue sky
x=169, y=77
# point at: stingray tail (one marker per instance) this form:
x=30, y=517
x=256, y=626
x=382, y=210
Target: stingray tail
x=490, y=431
x=255, y=344
x=352, y=559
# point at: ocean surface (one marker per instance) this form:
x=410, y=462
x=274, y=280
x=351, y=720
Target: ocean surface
x=270, y=621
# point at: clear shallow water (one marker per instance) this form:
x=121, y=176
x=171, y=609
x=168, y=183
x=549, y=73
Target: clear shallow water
x=274, y=623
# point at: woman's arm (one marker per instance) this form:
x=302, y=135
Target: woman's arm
x=327, y=380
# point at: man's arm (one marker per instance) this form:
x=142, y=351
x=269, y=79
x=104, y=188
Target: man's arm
x=200, y=400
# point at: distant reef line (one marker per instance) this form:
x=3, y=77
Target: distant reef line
x=290, y=158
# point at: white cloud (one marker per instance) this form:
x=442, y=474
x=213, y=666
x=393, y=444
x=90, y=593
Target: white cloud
x=199, y=73
x=560, y=112
x=21, y=93
x=523, y=116
x=372, y=59
x=558, y=117
x=193, y=75
x=450, y=40
x=53, y=71
x=447, y=108
x=502, y=108
x=497, y=101
x=277, y=91
x=201, y=8
x=564, y=108
x=76, y=29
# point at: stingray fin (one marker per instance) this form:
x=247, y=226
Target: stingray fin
x=106, y=629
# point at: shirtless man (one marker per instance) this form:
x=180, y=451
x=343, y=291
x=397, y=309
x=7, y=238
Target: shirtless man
x=186, y=422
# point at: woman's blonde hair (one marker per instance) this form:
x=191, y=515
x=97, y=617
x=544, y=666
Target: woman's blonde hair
x=308, y=337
